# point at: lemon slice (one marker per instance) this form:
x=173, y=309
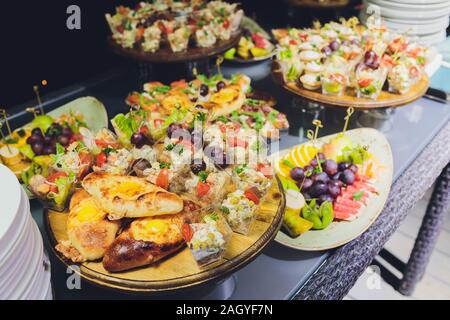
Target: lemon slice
x=302, y=155
x=282, y=169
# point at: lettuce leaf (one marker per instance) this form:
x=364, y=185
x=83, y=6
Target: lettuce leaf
x=64, y=185
x=124, y=126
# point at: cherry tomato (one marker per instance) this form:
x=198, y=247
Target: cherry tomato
x=414, y=72
x=179, y=84
x=187, y=232
x=140, y=33
x=364, y=82
x=226, y=23
x=120, y=29
x=250, y=195
x=163, y=179
x=133, y=99
x=101, y=159
x=143, y=129
x=53, y=188
x=202, y=189
x=293, y=42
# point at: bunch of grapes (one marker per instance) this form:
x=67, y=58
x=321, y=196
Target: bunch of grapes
x=323, y=178
x=46, y=144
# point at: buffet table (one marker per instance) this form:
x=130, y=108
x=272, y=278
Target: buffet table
x=419, y=135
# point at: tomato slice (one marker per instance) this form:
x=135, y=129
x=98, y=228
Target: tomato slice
x=133, y=99
x=52, y=178
x=163, y=179
x=100, y=159
x=140, y=33
x=266, y=169
x=293, y=42
x=202, y=189
x=144, y=129
x=179, y=84
x=187, y=232
x=158, y=122
x=364, y=82
x=250, y=195
x=236, y=142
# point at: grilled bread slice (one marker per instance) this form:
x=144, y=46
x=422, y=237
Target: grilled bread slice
x=130, y=197
x=89, y=232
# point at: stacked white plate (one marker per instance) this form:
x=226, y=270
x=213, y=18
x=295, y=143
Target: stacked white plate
x=24, y=267
x=425, y=19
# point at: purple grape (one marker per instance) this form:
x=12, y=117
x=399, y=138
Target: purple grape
x=337, y=183
x=37, y=132
x=343, y=166
x=330, y=167
x=198, y=165
x=336, y=176
x=333, y=189
x=318, y=188
x=306, y=184
x=314, y=162
x=66, y=131
x=63, y=140
x=321, y=176
x=308, y=169
x=370, y=57
x=325, y=197
x=348, y=177
x=334, y=45
x=49, y=149
x=37, y=147
x=321, y=156
x=34, y=138
x=354, y=168
x=297, y=173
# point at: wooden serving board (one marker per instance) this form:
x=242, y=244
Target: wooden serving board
x=165, y=54
x=180, y=270
x=349, y=99
x=342, y=232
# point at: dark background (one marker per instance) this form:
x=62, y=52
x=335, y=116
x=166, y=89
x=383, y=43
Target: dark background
x=36, y=44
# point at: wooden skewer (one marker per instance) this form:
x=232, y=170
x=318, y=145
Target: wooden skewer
x=350, y=111
x=4, y=138
x=5, y=120
x=38, y=96
x=31, y=110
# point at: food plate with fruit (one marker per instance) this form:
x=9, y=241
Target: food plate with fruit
x=254, y=45
x=348, y=64
x=335, y=188
x=27, y=151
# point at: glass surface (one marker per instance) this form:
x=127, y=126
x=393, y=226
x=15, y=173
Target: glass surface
x=279, y=272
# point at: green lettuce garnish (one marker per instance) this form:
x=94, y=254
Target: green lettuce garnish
x=124, y=126
x=64, y=185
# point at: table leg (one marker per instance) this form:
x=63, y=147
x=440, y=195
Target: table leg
x=428, y=233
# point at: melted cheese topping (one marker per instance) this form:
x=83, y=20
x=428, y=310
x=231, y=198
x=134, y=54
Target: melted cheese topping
x=159, y=230
x=225, y=95
x=128, y=190
x=85, y=211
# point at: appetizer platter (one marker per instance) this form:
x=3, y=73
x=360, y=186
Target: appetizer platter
x=335, y=187
x=180, y=193
x=27, y=150
x=174, y=31
x=254, y=45
x=347, y=64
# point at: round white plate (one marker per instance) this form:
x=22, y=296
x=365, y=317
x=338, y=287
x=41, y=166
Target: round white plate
x=32, y=268
x=419, y=1
x=408, y=15
x=418, y=29
x=10, y=200
x=414, y=7
x=35, y=285
x=340, y=233
x=18, y=265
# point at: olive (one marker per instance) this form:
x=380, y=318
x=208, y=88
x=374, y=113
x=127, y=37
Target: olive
x=204, y=90
x=139, y=140
x=198, y=165
x=220, y=85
